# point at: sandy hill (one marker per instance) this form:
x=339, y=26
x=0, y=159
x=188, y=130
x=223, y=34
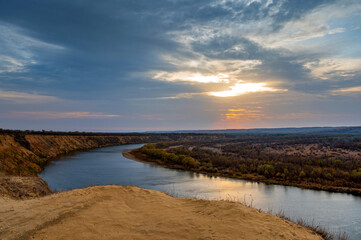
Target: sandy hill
x=115, y=212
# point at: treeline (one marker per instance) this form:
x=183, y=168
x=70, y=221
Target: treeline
x=80, y=133
x=333, y=141
x=151, y=151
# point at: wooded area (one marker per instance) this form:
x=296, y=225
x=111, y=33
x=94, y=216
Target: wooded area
x=329, y=162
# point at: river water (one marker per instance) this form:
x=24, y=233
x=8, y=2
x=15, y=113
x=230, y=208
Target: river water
x=337, y=212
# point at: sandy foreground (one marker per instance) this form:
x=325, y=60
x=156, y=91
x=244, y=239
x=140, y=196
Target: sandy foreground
x=116, y=212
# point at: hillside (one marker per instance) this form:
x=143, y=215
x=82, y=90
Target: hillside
x=23, y=156
x=114, y=212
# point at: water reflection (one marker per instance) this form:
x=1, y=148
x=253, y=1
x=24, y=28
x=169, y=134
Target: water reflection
x=338, y=212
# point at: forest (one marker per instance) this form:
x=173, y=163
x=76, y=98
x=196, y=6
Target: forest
x=327, y=162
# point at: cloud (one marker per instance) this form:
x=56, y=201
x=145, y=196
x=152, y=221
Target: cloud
x=257, y=116
x=23, y=97
x=312, y=24
x=214, y=37
x=181, y=95
x=18, y=49
x=240, y=117
x=337, y=30
x=199, y=62
x=346, y=91
x=191, y=77
x=186, y=95
x=59, y=115
x=104, y=54
x=243, y=88
x=335, y=67
x=242, y=113
x=9, y=64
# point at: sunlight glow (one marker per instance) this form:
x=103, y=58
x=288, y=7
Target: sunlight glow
x=208, y=79
x=191, y=77
x=242, y=88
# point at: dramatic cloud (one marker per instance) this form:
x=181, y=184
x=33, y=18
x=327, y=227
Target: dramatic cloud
x=178, y=62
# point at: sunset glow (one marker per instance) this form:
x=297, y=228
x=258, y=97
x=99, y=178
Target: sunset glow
x=261, y=91
x=243, y=88
x=182, y=64
x=191, y=77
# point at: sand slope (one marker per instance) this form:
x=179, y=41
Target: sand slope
x=115, y=212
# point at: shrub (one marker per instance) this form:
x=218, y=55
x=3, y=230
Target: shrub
x=266, y=169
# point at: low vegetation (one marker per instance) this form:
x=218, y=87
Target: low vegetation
x=186, y=161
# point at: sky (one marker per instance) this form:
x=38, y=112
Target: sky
x=140, y=65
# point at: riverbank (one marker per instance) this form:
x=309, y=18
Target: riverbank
x=23, y=155
x=135, y=154
x=115, y=212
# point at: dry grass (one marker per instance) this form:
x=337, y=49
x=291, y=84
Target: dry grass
x=323, y=232
x=247, y=200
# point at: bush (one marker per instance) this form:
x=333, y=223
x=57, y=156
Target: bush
x=266, y=169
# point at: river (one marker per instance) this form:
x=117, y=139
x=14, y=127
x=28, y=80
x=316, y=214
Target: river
x=337, y=212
